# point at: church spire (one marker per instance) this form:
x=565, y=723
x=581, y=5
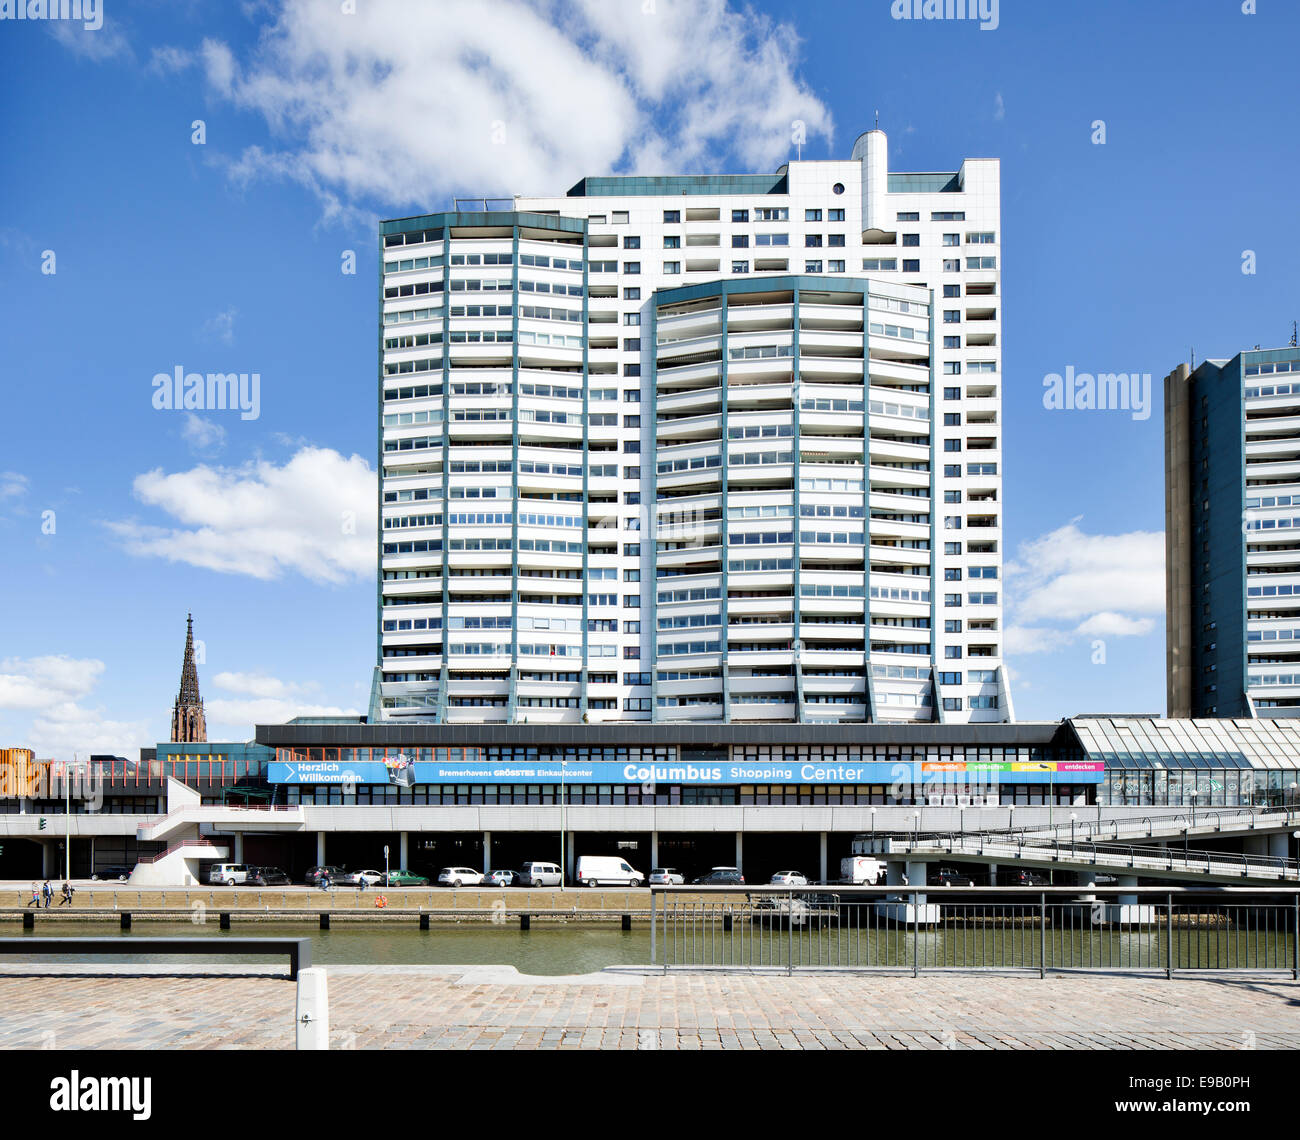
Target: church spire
x=188, y=723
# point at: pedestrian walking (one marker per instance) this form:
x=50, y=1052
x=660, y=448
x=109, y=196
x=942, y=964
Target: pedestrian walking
x=47, y=893
x=68, y=888
x=36, y=895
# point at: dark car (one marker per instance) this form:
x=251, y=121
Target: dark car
x=1021, y=877
x=267, y=877
x=104, y=874
x=314, y=874
x=721, y=877
x=957, y=877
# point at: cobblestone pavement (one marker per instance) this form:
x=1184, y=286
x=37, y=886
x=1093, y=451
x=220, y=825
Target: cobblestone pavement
x=496, y=1008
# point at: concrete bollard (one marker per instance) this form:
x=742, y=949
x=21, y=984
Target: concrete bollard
x=524, y=921
x=424, y=922
x=312, y=1014
x=627, y=922
x=324, y=921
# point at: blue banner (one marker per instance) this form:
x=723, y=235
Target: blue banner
x=401, y=771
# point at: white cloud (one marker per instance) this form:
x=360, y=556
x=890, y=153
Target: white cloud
x=51, y=687
x=999, y=107
x=313, y=516
x=12, y=484
x=98, y=44
x=221, y=327
x=258, y=685
x=410, y=103
x=1067, y=585
x=170, y=60
x=202, y=434
x=237, y=717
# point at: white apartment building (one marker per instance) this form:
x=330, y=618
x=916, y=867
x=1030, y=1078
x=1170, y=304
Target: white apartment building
x=720, y=448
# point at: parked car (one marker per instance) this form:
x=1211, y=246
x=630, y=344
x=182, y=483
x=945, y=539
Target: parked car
x=459, y=877
x=500, y=878
x=666, y=877
x=1021, y=877
x=227, y=874
x=606, y=870
x=533, y=874
x=957, y=877
x=315, y=874
x=106, y=874
x=357, y=878
x=789, y=879
x=721, y=877
x=404, y=878
x=266, y=877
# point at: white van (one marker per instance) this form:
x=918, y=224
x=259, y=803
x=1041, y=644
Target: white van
x=607, y=870
x=227, y=874
x=540, y=875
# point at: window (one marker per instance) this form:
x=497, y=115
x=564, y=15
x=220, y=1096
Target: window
x=740, y=215
x=952, y=522
x=812, y=215
x=631, y=473
x=952, y=573
x=911, y=266
x=672, y=267
x=631, y=370
x=812, y=241
x=952, y=316
x=632, y=318
x=952, y=290
x=631, y=653
x=952, y=342
x=952, y=367
x=952, y=626
x=771, y=239
x=672, y=241
x=981, y=263
x=772, y=214
x=631, y=601
x=948, y=216
x=836, y=215
x=952, y=266
x=631, y=267
x=835, y=267
x=952, y=704
x=632, y=294
x=911, y=239
x=908, y=217
x=631, y=575
x=632, y=344
x=952, y=548
x=631, y=447
x=630, y=242
x=672, y=216
x=836, y=240
x=879, y=264
x=620, y=217
x=952, y=445
x=635, y=678
x=951, y=600
x=740, y=241
x=740, y=267
x=952, y=471
x=632, y=396
x=984, y=238
x=812, y=266
x=952, y=239
x=949, y=678
x=634, y=627
x=632, y=498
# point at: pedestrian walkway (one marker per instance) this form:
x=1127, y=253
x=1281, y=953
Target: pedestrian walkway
x=164, y=1007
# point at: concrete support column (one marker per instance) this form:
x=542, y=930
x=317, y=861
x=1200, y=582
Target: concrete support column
x=654, y=850
x=740, y=850
x=487, y=852
x=569, y=857
x=403, y=850
x=49, y=857
x=1127, y=881
x=239, y=846
x=320, y=849
x=916, y=878
x=1278, y=844
x=821, y=856
x=1256, y=844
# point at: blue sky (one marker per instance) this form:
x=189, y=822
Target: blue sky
x=227, y=256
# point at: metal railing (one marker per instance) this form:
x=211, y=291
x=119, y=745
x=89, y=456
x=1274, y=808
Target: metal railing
x=1133, y=929
x=1194, y=818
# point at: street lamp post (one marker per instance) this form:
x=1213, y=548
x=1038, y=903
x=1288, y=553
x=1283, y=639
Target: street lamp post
x=67, y=821
x=1195, y=792
x=564, y=804
x=873, y=823
x=1073, y=816
x=385, y=864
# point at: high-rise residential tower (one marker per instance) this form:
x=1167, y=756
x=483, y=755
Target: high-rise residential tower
x=1232, y=536
x=692, y=448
